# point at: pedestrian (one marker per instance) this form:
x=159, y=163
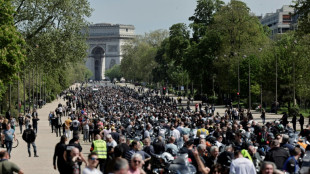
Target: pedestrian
x=99, y=146
x=29, y=136
x=27, y=121
x=34, y=113
x=58, y=154
x=21, y=122
x=284, y=119
x=58, y=125
x=9, y=136
x=92, y=164
x=85, y=124
x=74, y=143
x=75, y=126
x=73, y=161
x=35, y=120
x=7, y=167
x=67, y=127
x=263, y=116
x=294, y=120
x=301, y=122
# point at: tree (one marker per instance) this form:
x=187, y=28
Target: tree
x=241, y=34
x=204, y=16
x=12, y=52
x=55, y=33
x=114, y=72
x=139, y=55
x=302, y=11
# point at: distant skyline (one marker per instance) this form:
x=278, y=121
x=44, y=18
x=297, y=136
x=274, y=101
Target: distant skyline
x=150, y=15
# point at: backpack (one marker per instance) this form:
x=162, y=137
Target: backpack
x=28, y=136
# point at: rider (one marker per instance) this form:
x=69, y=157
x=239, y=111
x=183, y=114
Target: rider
x=202, y=131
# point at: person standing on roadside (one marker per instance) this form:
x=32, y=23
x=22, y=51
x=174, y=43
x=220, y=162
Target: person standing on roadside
x=58, y=154
x=35, y=120
x=294, y=120
x=6, y=165
x=58, y=125
x=27, y=121
x=67, y=127
x=34, y=113
x=21, y=122
x=75, y=126
x=74, y=143
x=30, y=136
x=92, y=164
x=13, y=122
x=301, y=122
x=263, y=116
x=9, y=136
x=85, y=129
x=73, y=161
x=100, y=147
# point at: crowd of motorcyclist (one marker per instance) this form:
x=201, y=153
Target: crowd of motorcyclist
x=172, y=138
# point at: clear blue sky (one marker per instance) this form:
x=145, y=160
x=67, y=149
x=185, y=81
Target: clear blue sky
x=150, y=15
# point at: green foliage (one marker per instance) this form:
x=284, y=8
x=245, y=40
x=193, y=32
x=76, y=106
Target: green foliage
x=12, y=53
x=139, y=55
x=114, y=72
x=55, y=44
x=302, y=10
x=204, y=16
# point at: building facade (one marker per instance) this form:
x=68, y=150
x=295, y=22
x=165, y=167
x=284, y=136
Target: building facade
x=105, y=46
x=280, y=21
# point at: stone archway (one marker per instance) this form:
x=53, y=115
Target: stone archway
x=112, y=63
x=98, y=55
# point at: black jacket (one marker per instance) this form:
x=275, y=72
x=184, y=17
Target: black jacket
x=278, y=155
x=29, y=136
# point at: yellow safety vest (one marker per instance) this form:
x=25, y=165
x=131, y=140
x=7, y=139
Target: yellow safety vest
x=202, y=130
x=100, y=147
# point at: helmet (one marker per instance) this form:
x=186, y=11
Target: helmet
x=167, y=157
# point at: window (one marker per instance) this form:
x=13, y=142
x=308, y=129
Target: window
x=286, y=18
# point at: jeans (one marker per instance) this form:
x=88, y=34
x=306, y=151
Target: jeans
x=21, y=128
x=101, y=164
x=34, y=148
x=35, y=128
x=68, y=133
x=86, y=134
x=8, y=145
x=58, y=130
x=26, y=126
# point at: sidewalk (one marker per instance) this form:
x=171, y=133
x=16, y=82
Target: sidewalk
x=45, y=143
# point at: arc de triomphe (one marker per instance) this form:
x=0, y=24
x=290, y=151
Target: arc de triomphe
x=105, y=42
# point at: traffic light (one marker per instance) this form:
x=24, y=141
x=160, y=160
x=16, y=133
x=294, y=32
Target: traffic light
x=238, y=94
x=164, y=90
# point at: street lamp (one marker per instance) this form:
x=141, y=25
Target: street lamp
x=244, y=56
x=261, y=91
x=238, y=81
x=294, y=97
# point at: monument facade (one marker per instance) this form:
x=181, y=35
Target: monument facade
x=105, y=46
